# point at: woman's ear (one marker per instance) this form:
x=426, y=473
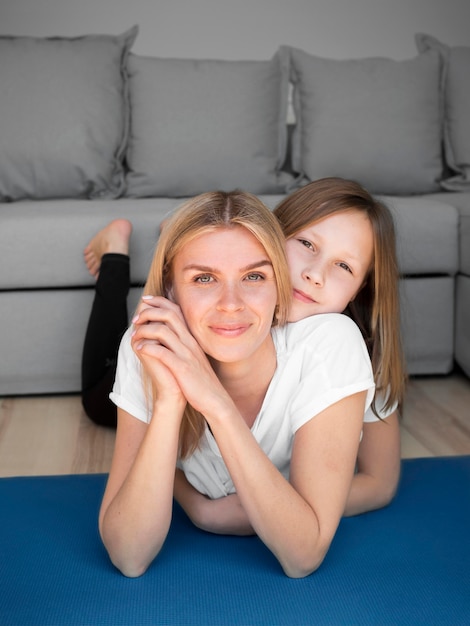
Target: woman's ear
x=170, y=294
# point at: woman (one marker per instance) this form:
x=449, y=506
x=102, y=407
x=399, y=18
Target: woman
x=254, y=414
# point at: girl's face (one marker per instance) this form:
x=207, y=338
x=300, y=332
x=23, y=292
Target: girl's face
x=225, y=285
x=329, y=262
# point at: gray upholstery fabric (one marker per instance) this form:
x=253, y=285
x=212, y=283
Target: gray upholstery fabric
x=462, y=202
x=462, y=323
x=198, y=125
x=427, y=235
x=44, y=284
x=63, y=122
x=456, y=88
x=374, y=120
x=428, y=324
x=51, y=250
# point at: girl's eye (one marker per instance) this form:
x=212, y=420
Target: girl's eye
x=204, y=279
x=345, y=266
x=306, y=243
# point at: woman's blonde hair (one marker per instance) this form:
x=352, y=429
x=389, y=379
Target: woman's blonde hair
x=376, y=308
x=205, y=213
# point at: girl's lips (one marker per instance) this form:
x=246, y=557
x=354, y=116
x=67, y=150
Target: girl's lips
x=303, y=297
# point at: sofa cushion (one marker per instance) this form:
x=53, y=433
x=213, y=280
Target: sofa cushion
x=64, y=116
x=198, y=125
x=42, y=241
x=53, y=234
x=461, y=201
x=427, y=231
x=456, y=86
x=374, y=120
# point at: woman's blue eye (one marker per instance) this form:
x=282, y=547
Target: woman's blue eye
x=203, y=279
x=254, y=277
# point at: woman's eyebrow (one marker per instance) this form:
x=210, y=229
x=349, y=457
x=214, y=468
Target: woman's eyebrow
x=207, y=268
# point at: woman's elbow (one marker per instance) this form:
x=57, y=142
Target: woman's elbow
x=305, y=564
x=131, y=561
x=130, y=570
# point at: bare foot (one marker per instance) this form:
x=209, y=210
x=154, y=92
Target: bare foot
x=112, y=238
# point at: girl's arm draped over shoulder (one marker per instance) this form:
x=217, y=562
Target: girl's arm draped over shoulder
x=378, y=466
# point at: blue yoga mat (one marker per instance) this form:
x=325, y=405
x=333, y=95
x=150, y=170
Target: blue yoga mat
x=406, y=564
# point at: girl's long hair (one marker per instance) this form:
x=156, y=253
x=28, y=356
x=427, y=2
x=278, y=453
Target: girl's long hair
x=206, y=213
x=376, y=308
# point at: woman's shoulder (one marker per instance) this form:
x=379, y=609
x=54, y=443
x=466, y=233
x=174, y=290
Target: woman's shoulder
x=125, y=349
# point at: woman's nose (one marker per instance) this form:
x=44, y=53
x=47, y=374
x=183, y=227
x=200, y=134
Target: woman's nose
x=230, y=298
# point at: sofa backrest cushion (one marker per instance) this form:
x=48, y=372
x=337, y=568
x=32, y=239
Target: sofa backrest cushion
x=456, y=91
x=375, y=120
x=64, y=116
x=199, y=125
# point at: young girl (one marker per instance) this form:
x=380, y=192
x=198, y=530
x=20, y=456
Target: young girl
x=262, y=420
x=328, y=225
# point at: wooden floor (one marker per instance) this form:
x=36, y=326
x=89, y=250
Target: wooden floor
x=51, y=435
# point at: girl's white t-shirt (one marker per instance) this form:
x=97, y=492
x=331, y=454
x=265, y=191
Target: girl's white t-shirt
x=320, y=360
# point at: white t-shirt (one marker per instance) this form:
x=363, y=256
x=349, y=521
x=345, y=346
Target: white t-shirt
x=320, y=360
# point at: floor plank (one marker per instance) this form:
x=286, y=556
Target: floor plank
x=51, y=435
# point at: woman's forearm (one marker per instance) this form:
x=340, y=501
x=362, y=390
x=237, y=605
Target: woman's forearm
x=134, y=522
x=298, y=519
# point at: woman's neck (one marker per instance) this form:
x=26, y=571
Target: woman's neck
x=247, y=381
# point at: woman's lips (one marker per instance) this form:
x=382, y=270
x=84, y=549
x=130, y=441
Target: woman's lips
x=229, y=330
x=303, y=297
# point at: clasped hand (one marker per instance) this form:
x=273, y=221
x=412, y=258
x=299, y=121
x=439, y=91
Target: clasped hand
x=172, y=357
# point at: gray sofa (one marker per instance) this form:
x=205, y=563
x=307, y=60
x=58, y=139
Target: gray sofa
x=91, y=132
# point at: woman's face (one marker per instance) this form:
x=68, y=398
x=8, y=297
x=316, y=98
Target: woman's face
x=328, y=263
x=224, y=283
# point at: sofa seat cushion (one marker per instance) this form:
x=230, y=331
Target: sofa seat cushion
x=427, y=234
x=461, y=201
x=42, y=242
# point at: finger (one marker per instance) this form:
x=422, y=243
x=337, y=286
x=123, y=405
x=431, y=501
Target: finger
x=169, y=316
x=156, y=308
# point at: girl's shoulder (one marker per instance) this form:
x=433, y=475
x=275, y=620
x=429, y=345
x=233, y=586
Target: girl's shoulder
x=323, y=328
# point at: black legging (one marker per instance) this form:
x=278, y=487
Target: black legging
x=108, y=322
